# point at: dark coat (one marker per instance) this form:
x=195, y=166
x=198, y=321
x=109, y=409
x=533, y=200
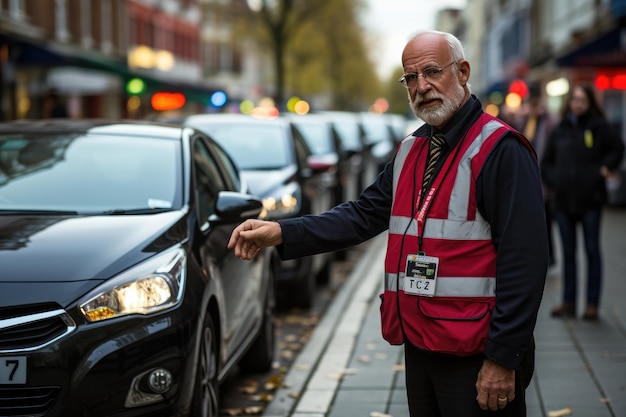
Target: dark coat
x=574, y=154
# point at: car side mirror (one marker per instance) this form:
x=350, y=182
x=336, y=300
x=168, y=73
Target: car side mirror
x=233, y=206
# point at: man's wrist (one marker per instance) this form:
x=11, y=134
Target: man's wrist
x=277, y=232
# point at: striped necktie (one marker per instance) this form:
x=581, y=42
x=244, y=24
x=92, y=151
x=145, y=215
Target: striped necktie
x=437, y=144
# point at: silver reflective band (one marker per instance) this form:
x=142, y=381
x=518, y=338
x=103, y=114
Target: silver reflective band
x=452, y=286
x=442, y=228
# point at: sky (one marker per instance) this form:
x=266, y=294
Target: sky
x=391, y=22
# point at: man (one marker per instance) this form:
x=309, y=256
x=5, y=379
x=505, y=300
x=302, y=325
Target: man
x=467, y=246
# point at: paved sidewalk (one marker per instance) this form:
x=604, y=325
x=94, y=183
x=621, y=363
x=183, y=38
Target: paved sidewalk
x=348, y=370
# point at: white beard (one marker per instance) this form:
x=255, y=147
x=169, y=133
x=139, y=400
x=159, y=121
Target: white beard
x=438, y=115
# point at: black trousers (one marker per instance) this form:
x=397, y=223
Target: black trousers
x=445, y=386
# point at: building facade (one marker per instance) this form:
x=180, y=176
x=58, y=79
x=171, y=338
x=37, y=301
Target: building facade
x=86, y=52
x=550, y=44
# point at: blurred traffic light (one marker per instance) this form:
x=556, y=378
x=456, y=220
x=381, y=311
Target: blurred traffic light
x=135, y=86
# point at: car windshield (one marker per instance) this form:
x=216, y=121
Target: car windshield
x=348, y=133
x=88, y=174
x=255, y=146
x=375, y=129
x=316, y=135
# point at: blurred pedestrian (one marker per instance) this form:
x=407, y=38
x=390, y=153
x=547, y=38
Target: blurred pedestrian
x=536, y=123
x=582, y=153
x=467, y=248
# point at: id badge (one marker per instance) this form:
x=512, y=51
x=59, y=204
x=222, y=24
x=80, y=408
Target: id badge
x=421, y=275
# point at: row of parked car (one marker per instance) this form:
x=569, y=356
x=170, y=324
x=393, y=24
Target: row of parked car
x=303, y=164
x=118, y=295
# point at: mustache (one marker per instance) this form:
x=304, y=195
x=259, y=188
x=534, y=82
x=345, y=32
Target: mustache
x=422, y=98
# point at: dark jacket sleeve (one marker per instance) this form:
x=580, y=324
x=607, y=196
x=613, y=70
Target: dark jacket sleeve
x=510, y=199
x=345, y=225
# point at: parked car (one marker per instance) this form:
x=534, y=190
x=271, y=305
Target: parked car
x=380, y=142
x=118, y=295
x=327, y=150
x=280, y=168
x=399, y=125
x=350, y=133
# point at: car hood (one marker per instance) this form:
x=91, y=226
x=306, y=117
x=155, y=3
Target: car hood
x=263, y=183
x=47, y=249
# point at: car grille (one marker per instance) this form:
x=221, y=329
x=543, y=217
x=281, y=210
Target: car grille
x=26, y=330
x=30, y=402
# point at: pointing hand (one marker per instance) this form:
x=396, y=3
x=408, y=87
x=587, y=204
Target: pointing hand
x=250, y=236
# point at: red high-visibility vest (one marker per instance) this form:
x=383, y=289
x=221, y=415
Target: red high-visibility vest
x=456, y=319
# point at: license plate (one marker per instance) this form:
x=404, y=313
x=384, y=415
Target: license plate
x=12, y=369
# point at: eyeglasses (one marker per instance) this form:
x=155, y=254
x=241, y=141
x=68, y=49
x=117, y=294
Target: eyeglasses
x=430, y=75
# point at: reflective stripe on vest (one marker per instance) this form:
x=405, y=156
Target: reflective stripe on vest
x=443, y=228
x=451, y=286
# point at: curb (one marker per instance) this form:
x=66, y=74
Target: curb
x=307, y=390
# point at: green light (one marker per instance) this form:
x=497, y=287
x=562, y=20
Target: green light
x=291, y=104
x=246, y=106
x=135, y=86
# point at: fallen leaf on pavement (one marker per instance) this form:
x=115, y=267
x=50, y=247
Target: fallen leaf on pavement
x=567, y=411
x=364, y=359
x=252, y=410
x=231, y=412
x=249, y=388
x=337, y=376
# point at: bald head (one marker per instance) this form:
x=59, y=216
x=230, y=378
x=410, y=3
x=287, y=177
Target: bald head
x=433, y=40
x=436, y=76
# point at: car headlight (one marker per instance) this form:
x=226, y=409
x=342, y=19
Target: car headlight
x=281, y=205
x=152, y=286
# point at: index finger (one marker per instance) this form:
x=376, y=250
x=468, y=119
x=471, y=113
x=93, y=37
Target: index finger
x=234, y=237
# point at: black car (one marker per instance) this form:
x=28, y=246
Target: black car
x=281, y=169
x=380, y=142
x=328, y=153
x=118, y=295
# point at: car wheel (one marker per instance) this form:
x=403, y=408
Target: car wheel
x=260, y=356
x=206, y=389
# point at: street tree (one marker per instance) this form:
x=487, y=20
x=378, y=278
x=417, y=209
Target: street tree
x=279, y=22
x=330, y=55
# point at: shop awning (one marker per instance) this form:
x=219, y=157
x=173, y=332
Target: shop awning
x=607, y=51
x=29, y=52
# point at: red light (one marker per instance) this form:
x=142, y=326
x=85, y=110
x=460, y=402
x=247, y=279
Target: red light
x=167, y=101
x=602, y=82
x=619, y=82
x=611, y=80
x=518, y=87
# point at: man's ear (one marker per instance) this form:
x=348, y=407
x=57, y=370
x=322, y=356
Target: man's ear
x=464, y=71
